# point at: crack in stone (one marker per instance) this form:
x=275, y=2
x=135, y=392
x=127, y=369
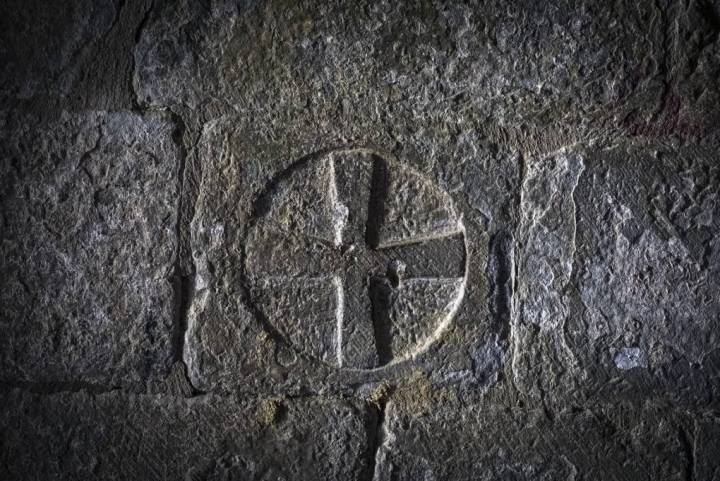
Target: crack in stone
x=375, y=453
x=137, y=105
x=687, y=441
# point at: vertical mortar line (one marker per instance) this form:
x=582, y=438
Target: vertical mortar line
x=513, y=341
x=178, y=281
x=377, y=197
x=501, y=277
x=183, y=275
x=377, y=441
x=688, y=440
x=138, y=33
x=522, y=171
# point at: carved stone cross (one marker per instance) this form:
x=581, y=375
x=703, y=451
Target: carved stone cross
x=380, y=241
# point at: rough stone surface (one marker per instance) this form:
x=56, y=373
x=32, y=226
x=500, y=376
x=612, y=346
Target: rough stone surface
x=117, y=436
x=707, y=445
x=615, y=443
x=353, y=269
x=618, y=274
x=70, y=55
x=89, y=214
x=360, y=240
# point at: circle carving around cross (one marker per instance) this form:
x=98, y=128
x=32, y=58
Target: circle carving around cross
x=355, y=259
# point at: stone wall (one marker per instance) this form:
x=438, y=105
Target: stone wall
x=417, y=241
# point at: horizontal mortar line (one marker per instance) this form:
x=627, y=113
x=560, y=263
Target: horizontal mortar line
x=76, y=388
x=333, y=278
x=56, y=387
x=300, y=277
x=435, y=279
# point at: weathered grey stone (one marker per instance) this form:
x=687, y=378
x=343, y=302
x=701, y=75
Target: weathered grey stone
x=618, y=274
x=642, y=68
x=41, y=43
x=381, y=53
x=470, y=442
x=497, y=218
x=335, y=269
x=118, y=436
x=72, y=55
x=89, y=212
x=706, y=449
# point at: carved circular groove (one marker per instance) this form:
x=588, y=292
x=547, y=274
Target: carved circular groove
x=355, y=259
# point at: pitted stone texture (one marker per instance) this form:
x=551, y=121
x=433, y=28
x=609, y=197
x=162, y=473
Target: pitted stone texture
x=706, y=449
x=122, y=437
x=509, y=62
x=74, y=55
x=618, y=274
x=460, y=442
x=89, y=208
x=334, y=268
x=44, y=56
